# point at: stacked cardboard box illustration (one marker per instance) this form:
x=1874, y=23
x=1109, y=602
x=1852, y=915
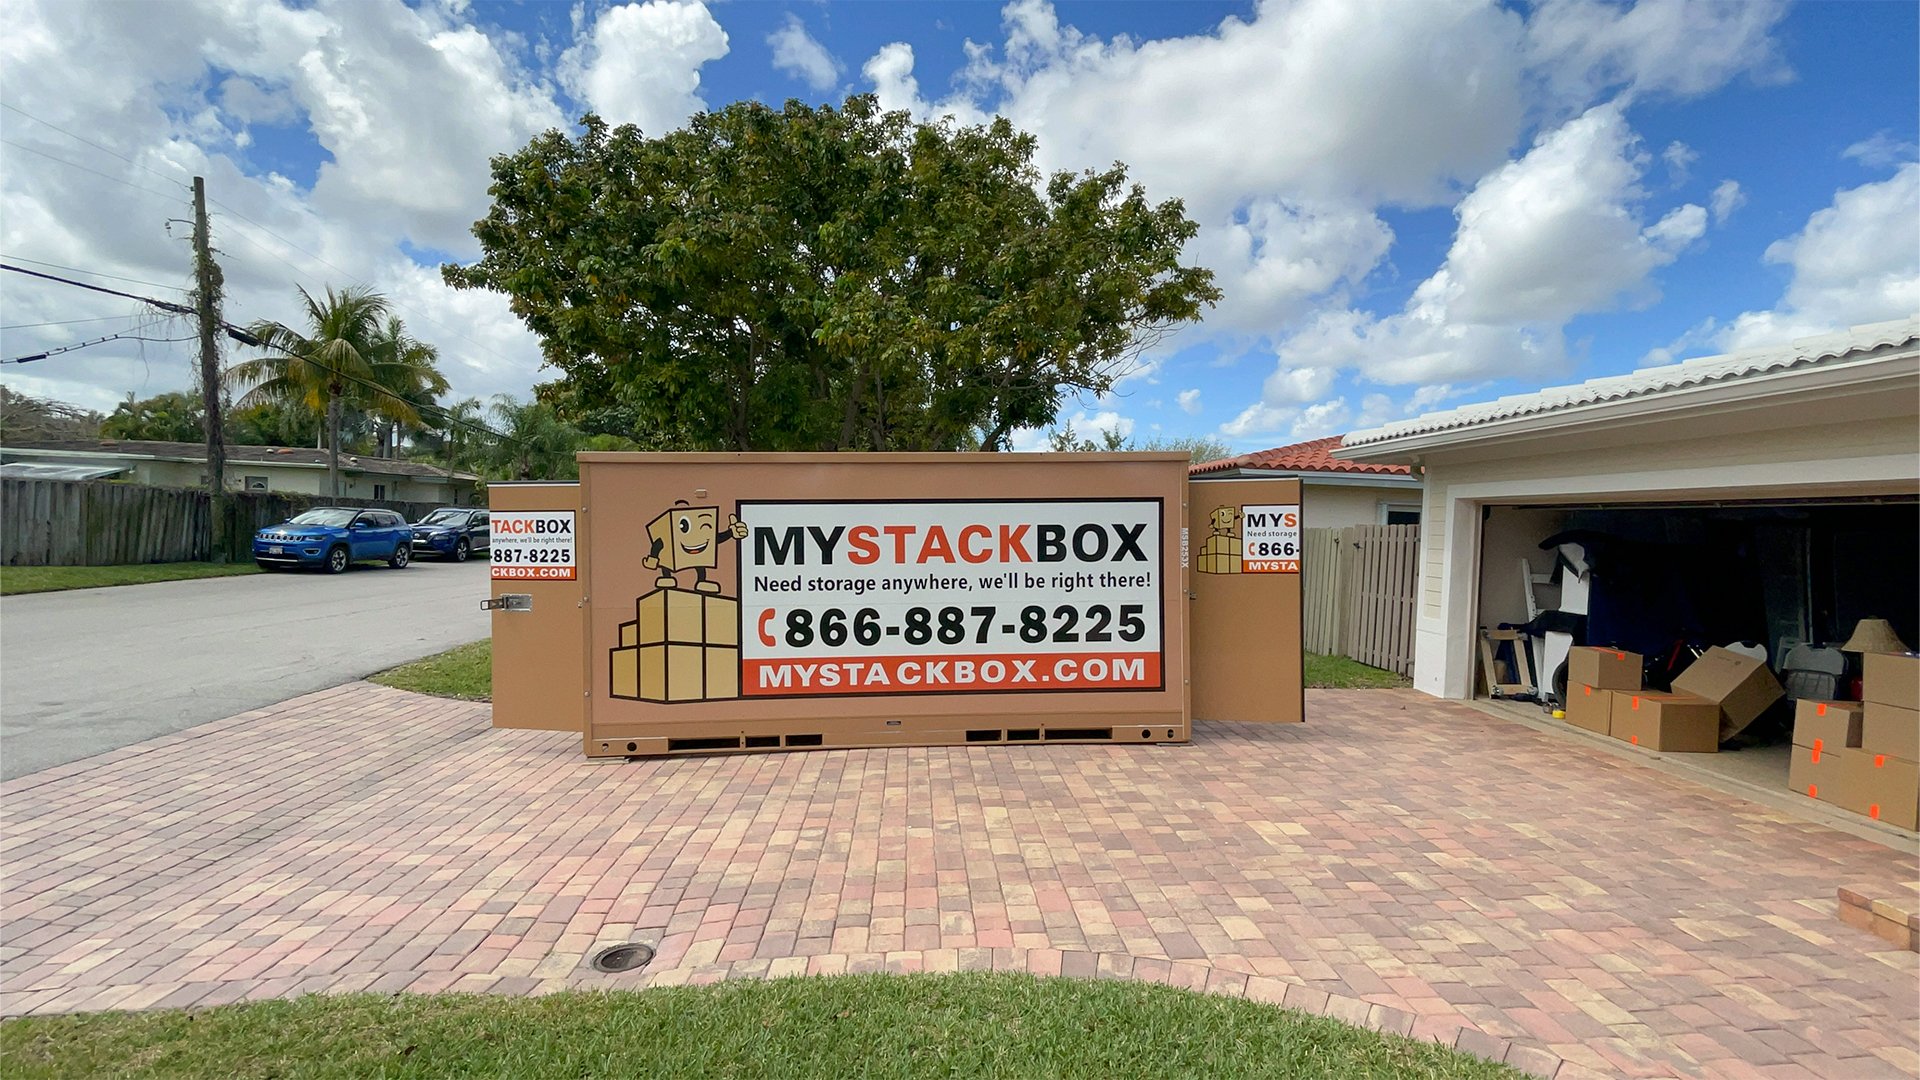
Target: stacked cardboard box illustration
x=1219, y=555
x=1864, y=756
x=680, y=646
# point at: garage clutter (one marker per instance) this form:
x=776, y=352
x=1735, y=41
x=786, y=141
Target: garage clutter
x=1864, y=756
x=1712, y=701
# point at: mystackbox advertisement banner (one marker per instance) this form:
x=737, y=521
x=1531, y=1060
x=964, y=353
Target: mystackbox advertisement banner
x=953, y=597
x=880, y=599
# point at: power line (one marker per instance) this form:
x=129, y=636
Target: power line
x=85, y=169
x=244, y=337
x=230, y=210
x=128, y=335
x=89, y=273
x=65, y=322
x=95, y=145
x=423, y=317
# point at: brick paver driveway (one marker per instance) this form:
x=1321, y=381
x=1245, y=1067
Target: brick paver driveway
x=1408, y=864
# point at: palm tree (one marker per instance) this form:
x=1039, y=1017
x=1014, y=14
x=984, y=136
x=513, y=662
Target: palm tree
x=534, y=443
x=321, y=368
x=457, y=421
x=409, y=371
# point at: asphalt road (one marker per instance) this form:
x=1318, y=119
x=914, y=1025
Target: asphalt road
x=89, y=670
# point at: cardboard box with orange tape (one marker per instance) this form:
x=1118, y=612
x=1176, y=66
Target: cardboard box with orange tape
x=1670, y=723
x=1824, y=773
x=1825, y=725
x=1739, y=685
x=1891, y=679
x=1590, y=708
x=1603, y=669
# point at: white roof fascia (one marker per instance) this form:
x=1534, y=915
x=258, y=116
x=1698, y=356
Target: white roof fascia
x=1833, y=380
x=1309, y=476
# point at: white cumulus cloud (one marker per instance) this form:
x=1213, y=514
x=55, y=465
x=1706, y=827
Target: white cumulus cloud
x=800, y=55
x=1856, y=261
x=640, y=63
x=1727, y=197
x=1539, y=241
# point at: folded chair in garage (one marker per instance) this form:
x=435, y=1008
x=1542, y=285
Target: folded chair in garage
x=1811, y=673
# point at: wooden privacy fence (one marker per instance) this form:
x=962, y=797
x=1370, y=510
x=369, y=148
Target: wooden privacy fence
x=106, y=523
x=1358, y=593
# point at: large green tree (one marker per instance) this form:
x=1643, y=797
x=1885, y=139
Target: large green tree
x=171, y=417
x=826, y=278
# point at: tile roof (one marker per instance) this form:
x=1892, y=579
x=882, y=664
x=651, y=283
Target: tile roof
x=265, y=455
x=1314, y=456
x=1825, y=350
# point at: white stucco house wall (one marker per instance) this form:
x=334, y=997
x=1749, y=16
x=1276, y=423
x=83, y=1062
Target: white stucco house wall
x=282, y=469
x=1822, y=425
x=1335, y=492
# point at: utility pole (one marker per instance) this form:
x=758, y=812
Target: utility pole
x=206, y=304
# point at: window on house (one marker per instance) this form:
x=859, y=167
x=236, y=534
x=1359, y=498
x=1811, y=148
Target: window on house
x=379, y=491
x=1399, y=513
x=255, y=483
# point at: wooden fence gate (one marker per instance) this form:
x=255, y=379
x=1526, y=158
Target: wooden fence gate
x=1360, y=587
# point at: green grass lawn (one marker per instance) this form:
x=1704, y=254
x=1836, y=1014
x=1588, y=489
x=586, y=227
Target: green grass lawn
x=464, y=672
x=1340, y=673
x=33, y=579
x=966, y=1025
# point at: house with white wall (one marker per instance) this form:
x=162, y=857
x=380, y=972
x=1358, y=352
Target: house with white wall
x=281, y=469
x=1769, y=495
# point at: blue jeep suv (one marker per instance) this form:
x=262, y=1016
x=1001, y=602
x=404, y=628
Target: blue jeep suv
x=332, y=537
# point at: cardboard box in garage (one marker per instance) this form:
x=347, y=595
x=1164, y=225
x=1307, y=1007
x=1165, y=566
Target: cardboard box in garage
x=1740, y=685
x=1590, y=708
x=1671, y=723
x=1603, y=669
x=1826, y=774
x=1826, y=724
x=1891, y=679
x=1890, y=729
x=1888, y=789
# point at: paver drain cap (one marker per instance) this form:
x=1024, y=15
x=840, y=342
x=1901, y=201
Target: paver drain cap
x=620, y=958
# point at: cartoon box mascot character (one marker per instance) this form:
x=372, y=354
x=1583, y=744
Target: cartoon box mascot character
x=1220, y=551
x=689, y=538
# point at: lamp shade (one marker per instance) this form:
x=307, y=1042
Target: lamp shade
x=1874, y=636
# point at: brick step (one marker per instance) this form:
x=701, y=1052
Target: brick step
x=1892, y=914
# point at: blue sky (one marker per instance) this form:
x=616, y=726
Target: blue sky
x=1409, y=204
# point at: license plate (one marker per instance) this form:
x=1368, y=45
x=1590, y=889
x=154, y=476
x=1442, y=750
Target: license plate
x=275, y=550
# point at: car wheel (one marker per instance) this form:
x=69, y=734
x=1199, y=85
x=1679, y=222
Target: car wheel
x=337, y=560
x=460, y=550
x=401, y=553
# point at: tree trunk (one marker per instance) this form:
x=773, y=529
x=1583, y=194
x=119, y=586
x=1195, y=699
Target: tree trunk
x=333, y=442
